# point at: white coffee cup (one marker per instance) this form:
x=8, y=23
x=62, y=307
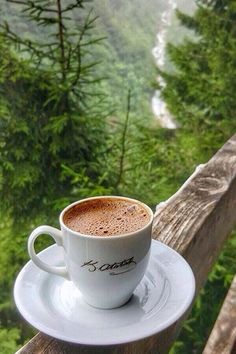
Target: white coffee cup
x=106, y=270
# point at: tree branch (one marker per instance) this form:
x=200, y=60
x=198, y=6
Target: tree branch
x=86, y=26
x=78, y=3
x=123, y=142
x=61, y=38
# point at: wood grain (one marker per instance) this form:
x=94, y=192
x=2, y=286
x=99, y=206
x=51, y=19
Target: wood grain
x=223, y=336
x=195, y=222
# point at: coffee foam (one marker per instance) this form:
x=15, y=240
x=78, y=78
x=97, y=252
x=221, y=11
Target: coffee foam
x=106, y=217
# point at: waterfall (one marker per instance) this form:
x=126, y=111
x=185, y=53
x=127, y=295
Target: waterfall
x=159, y=107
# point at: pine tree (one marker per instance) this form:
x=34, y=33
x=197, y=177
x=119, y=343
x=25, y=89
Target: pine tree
x=47, y=92
x=201, y=92
x=52, y=131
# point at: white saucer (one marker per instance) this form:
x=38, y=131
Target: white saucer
x=55, y=307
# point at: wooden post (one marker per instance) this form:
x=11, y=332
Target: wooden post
x=223, y=336
x=195, y=222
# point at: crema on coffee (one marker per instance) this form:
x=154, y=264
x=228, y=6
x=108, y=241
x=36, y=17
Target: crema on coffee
x=106, y=217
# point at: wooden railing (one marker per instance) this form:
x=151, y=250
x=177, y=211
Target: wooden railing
x=195, y=222
x=223, y=336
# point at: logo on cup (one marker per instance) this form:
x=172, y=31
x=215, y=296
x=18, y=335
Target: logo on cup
x=94, y=266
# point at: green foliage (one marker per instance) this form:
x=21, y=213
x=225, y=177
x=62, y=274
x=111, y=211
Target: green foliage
x=46, y=118
x=201, y=92
x=8, y=340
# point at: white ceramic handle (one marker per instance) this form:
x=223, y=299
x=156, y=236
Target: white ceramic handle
x=57, y=236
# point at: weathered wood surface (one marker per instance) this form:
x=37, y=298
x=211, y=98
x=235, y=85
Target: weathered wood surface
x=223, y=336
x=195, y=222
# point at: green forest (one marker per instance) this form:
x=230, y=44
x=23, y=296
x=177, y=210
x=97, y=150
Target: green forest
x=76, y=81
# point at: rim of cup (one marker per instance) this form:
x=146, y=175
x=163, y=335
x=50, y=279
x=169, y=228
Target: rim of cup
x=149, y=210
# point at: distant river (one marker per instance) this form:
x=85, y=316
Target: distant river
x=159, y=107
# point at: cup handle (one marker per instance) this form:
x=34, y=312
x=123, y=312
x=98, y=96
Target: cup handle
x=57, y=236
